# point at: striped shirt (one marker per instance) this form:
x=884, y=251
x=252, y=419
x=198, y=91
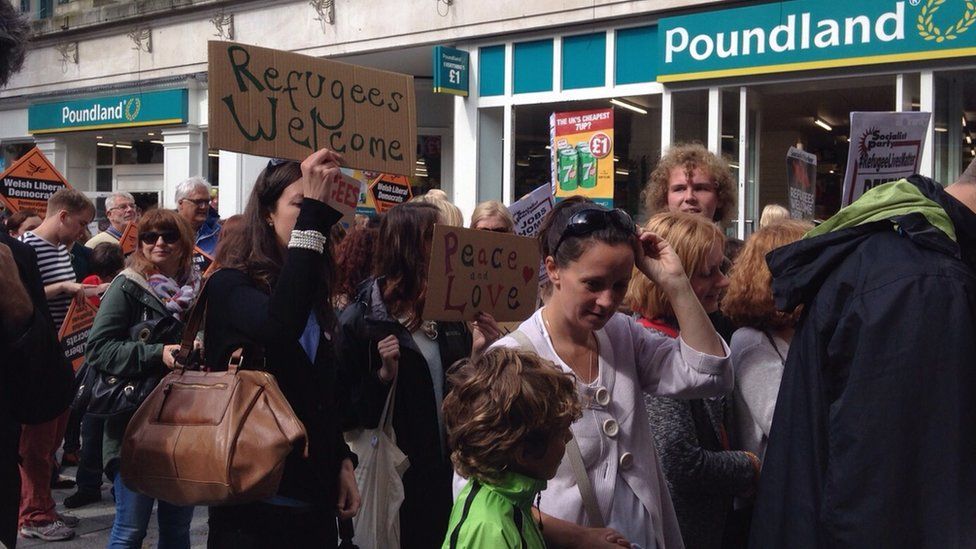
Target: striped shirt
x=54, y=262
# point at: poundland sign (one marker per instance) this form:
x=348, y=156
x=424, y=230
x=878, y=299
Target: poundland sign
x=117, y=111
x=813, y=34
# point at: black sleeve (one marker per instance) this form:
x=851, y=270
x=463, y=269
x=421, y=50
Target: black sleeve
x=35, y=377
x=281, y=316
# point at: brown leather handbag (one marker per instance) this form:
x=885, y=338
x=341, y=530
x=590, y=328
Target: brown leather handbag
x=211, y=438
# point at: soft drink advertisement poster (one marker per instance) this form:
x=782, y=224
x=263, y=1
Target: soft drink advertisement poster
x=582, y=154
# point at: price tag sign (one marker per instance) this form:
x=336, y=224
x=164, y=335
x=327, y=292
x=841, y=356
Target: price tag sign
x=451, y=71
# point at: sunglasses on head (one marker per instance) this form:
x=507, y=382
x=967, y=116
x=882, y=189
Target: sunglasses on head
x=591, y=220
x=151, y=237
x=275, y=162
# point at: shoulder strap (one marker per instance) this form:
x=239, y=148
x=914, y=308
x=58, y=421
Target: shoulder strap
x=583, y=482
x=524, y=343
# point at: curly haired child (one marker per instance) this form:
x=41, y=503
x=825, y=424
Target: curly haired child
x=507, y=420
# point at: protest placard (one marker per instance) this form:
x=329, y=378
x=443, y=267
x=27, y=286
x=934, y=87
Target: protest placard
x=75, y=329
x=582, y=154
x=279, y=104
x=885, y=146
x=29, y=182
x=389, y=190
x=201, y=260
x=529, y=212
x=801, y=178
x=129, y=239
x=475, y=271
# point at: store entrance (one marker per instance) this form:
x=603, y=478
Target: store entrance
x=814, y=116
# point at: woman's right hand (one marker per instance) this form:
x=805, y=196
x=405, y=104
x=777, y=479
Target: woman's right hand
x=169, y=355
x=320, y=171
x=389, y=349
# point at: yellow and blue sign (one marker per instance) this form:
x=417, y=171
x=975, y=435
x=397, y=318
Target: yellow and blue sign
x=451, y=68
x=812, y=34
x=154, y=108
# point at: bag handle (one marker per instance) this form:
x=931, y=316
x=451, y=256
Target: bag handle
x=386, y=417
x=590, y=505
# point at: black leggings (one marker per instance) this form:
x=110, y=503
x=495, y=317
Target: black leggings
x=260, y=525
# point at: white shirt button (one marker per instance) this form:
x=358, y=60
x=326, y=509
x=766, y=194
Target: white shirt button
x=626, y=461
x=602, y=396
x=611, y=428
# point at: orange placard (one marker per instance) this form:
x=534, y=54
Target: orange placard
x=389, y=190
x=129, y=239
x=75, y=329
x=29, y=182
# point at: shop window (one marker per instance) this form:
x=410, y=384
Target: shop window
x=138, y=152
x=533, y=66
x=584, y=61
x=954, y=122
x=12, y=152
x=491, y=71
x=428, y=173
x=636, y=148
x=787, y=114
x=636, y=57
x=690, y=120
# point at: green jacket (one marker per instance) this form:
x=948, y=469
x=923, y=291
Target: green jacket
x=495, y=516
x=111, y=349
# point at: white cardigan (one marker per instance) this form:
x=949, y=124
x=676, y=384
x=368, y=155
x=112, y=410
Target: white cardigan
x=633, y=360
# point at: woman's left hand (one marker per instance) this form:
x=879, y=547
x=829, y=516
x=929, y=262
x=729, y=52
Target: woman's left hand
x=349, y=499
x=659, y=262
x=484, y=332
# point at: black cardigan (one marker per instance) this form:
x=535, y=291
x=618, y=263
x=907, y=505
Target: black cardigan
x=241, y=312
x=36, y=382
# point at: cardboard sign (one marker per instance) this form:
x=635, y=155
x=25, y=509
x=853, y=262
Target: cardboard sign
x=390, y=190
x=885, y=146
x=475, y=271
x=278, y=104
x=29, y=182
x=75, y=329
x=582, y=154
x=801, y=178
x=529, y=212
x=201, y=260
x=129, y=240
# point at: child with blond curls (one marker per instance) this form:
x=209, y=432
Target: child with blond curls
x=507, y=420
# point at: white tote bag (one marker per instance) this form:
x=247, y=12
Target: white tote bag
x=380, y=480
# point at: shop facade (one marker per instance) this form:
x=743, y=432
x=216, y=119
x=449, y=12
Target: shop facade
x=748, y=81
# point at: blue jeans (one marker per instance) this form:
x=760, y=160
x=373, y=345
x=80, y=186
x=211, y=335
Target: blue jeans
x=90, y=462
x=132, y=512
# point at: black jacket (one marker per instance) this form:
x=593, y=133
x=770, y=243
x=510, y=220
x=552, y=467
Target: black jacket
x=36, y=382
x=241, y=313
x=872, y=440
x=427, y=482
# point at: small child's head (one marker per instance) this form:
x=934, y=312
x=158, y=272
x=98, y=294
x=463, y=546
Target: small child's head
x=509, y=410
x=107, y=260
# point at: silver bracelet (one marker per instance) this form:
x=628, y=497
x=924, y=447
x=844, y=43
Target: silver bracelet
x=307, y=240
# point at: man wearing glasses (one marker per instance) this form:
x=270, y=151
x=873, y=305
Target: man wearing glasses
x=193, y=203
x=120, y=209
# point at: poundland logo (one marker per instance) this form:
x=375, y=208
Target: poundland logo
x=810, y=34
x=123, y=110
x=826, y=33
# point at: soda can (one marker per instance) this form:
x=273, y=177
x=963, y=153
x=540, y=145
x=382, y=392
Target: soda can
x=566, y=169
x=587, y=166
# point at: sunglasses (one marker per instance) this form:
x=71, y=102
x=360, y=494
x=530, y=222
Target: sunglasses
x=151, y=237
x=590, y=220
x=275, y=162
x=494, y=229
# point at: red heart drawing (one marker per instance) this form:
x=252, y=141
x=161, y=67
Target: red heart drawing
x=527, y=274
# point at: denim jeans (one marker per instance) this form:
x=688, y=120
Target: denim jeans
x=90, y=462
x=132, y=513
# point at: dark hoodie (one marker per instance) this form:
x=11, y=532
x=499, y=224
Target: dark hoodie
x=872, y=440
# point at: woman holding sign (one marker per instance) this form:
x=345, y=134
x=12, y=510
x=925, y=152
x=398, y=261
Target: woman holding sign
x=273, y=291
x=609, y=489
x=385, y=343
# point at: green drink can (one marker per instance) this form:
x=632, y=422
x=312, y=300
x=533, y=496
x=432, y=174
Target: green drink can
x=587, y=166
x=567, y=171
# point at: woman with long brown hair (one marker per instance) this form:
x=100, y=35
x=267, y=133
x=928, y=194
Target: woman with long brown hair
x=386, y=343
x=272, y=293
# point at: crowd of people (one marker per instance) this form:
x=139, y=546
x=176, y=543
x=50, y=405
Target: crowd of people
x=673, y=388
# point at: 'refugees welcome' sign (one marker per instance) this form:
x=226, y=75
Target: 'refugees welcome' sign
x=813, y=34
